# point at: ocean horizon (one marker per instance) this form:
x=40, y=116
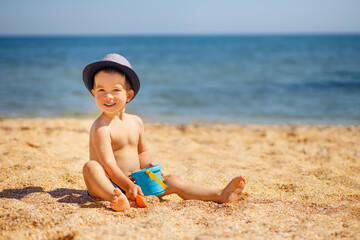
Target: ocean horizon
x=240, y=79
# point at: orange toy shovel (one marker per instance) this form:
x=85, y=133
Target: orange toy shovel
x=140, y=201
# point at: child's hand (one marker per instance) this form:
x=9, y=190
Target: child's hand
x=133, y=191
x=151, y=165
x=154, y=164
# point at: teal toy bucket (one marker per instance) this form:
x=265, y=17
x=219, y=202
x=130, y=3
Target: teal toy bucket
x=148, y=186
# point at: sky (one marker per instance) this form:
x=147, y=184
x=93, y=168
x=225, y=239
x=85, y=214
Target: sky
x=117, y=17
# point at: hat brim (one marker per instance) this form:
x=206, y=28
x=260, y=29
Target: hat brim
x=91, y=69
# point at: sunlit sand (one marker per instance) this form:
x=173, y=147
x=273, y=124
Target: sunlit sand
x=301, y=181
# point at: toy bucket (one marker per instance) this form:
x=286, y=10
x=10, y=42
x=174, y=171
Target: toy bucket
x=148, y=186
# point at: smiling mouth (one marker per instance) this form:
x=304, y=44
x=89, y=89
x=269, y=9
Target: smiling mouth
x=109, y=104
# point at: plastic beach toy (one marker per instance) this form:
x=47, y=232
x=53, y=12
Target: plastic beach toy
x=150, y=180
x=140, y=201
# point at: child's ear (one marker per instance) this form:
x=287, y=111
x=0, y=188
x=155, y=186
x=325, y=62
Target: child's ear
x=93, y=92
x=130, y=95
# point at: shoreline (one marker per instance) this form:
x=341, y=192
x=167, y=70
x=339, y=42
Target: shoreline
x=148, y=121
x=302, y=181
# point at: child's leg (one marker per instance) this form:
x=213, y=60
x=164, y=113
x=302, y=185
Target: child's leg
x=99, y=186
x=185, y=190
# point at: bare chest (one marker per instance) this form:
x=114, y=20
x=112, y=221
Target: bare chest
x=123, y=138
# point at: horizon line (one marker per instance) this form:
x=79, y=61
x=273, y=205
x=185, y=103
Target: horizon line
x=175, y=34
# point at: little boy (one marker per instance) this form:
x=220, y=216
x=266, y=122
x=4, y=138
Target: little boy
x=117, y=142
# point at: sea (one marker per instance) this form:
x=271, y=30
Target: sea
x=204, y=79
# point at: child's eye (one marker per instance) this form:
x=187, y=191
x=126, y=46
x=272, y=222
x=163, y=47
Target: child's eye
x=116, y=90
x=100, y=90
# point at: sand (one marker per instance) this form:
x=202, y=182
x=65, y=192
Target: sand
x=303, y=182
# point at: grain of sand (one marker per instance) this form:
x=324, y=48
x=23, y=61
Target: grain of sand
x=303, y=181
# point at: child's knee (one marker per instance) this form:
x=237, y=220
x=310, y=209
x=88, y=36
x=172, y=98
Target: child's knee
x=91, y=166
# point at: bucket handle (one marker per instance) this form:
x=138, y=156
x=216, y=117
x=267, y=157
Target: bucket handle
x=153, y=176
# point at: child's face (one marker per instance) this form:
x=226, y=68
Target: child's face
x=110, y=91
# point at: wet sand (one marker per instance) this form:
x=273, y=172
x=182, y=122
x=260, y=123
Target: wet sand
x=303, y=181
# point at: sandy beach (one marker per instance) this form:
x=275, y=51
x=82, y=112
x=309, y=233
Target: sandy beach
x=303, y=182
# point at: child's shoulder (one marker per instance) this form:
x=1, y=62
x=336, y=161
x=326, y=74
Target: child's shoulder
x=134, y=118
x=100, y=122
x=103, y=123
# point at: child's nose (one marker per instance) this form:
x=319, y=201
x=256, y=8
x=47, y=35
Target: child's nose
x=109, y=95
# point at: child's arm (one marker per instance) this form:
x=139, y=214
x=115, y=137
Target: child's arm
x=102, y=142
x=144, y=153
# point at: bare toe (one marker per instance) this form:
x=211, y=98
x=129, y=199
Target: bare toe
x=119, y=202
x=232, y=191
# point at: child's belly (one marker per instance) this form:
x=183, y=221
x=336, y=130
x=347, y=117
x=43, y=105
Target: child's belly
x=127, y=160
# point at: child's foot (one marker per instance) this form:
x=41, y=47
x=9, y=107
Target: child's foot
x=232, y=191
x=119, y=202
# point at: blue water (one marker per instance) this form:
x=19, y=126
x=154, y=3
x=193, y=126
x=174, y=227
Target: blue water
x=191, y=79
